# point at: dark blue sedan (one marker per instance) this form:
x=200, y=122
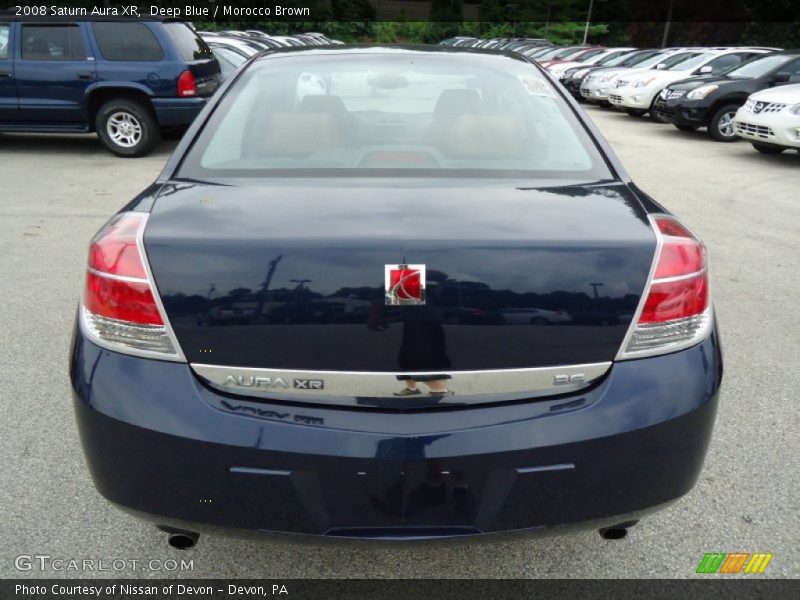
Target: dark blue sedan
x=394, y=293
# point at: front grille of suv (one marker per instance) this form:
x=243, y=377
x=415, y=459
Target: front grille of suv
x=760, y=108
x=756, y=130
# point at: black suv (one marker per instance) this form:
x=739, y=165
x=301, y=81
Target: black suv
x=712, y=100
x=125, y=79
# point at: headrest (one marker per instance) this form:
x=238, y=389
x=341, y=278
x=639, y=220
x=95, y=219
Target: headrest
x=320, y=103
x=484, y=137
x=452, y=103
x=299, y=134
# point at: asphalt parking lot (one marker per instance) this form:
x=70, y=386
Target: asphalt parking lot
x=56, y=191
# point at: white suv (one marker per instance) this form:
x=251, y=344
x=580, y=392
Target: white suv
x=770, y=119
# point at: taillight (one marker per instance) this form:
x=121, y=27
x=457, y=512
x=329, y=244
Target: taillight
x=187, y=86
x=675, y=311
x=120, y=310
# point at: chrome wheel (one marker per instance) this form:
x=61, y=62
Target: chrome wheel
x=725, y=125
x=124, y=129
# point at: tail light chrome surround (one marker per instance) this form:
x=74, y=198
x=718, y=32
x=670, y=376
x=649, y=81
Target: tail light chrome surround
x=142, y=339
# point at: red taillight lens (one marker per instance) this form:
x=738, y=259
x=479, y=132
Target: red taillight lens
x=680, y=257
x=680, y=286
x=115, y=249
x=675, y=311
x=187, y=86
x=122, y=300
x=116, y=283
x=675, y=300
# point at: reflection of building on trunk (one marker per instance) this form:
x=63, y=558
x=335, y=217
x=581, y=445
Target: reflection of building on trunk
x=423, y=347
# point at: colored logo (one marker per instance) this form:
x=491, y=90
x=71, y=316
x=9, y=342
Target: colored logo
x=734, y=562
x=405, y=285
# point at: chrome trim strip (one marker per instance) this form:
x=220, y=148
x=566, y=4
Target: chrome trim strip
x=125, y=278
x=679, y=277
x=360, y=388
x=178, y=356
x=561, y=467
x=645, y=290
x=255, y=471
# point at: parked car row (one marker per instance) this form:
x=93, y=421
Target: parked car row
x=516, y=44
x=232, y=48
x=732, y=92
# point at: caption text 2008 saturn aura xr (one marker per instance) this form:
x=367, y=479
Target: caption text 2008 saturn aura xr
x=394, y=293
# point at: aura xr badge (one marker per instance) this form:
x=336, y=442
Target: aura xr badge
x=405, y=285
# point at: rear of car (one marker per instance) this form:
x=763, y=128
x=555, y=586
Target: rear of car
x=151, y=76
x=245, y=344
x=770, y=120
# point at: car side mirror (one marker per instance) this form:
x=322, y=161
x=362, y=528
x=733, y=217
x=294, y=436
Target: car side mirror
x=660, y=66
x=706, y=69
x=780, y=78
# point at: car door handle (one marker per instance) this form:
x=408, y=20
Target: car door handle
x=85, y=76
x=5, y=74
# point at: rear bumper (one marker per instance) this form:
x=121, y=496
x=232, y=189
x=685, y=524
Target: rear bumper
x=172, y=112
x=159, y=445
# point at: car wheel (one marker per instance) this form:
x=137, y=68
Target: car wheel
x=126, y=127
x=767, y=149
x=686, y=127
x=720, y=127
x=635, y=112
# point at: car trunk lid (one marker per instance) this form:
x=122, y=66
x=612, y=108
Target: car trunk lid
x=286, y=281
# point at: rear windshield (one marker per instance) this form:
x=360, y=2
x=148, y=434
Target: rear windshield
x=402, y=113
x=187, y=42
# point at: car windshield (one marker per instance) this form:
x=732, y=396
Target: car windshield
x=552, y=53
x=690, y=62
x=757, y=67
x=614, y=58
x=652, y=61
x=403, y=112
x=636, y=59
